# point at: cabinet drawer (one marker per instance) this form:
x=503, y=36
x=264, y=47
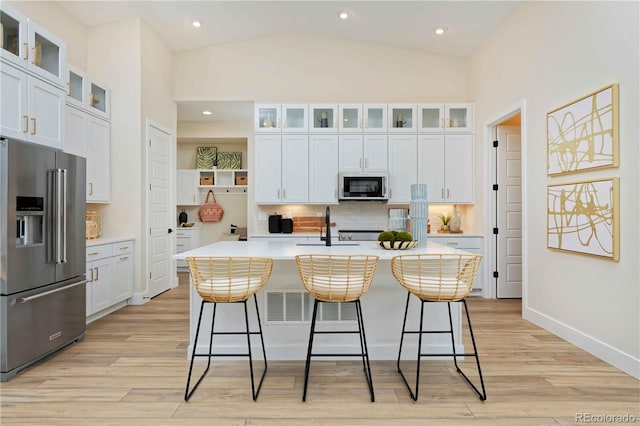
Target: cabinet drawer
x=98, y=252
x=183, y=244
x=122, y=247
x=459, y=243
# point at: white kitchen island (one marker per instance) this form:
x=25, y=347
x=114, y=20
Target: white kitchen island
x=285, y=306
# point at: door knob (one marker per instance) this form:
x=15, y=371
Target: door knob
x=169, y=230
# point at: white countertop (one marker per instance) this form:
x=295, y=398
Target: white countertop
x=111, y=240
x=287, y=250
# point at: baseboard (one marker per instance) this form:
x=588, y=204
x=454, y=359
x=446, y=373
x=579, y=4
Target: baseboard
x=138, y=299
x=595, y=347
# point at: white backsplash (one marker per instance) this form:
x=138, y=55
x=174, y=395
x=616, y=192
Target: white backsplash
x=353, y=215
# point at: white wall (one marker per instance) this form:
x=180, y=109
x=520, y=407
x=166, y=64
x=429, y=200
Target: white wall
x=550, y=53
x=305, y=69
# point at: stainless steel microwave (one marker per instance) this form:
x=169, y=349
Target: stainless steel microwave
x=363, y=186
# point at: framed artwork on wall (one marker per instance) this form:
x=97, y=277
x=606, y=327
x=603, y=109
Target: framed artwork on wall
x=206, y=157
x=583, y=217
x=583, y=134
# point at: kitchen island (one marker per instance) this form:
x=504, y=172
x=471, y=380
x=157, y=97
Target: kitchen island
x=285, y=306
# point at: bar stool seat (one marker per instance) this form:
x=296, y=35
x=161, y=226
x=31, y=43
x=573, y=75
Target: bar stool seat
x=228, y=280
x=331, y=279
x=437, y=278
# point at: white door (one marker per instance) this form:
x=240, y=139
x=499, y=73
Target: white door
x=509, y=213
x=431, y=166
x=375, y=153
x=159, y=247
x=458, y=176
x=350, y=159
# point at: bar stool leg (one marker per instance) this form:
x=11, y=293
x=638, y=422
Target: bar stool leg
x=254, y=392
x=365, y=350
x=413, y=395
x=188, y=394
x=483, y=395
x=308, y=362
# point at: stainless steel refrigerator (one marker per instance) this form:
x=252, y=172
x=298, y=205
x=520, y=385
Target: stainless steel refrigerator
x=42, y=253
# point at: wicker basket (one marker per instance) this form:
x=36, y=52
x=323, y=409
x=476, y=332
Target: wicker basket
x=93, y=225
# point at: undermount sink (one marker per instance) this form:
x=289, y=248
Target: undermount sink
x=323, y=244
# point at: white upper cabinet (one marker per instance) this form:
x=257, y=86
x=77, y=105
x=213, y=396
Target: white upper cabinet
x=281, y=118
x=267, y=118
x=402, y=118
x=282, y=172
x=447, y=118
x=31, y=47
x=85, y=93
x=295, y=118
x=356, y=118
x=323, y=118
x=323, y=169
x=187, y=182
x=350, y=120
x=363, y=153
x=375, y=118
x=403, y=167
x=445, y=164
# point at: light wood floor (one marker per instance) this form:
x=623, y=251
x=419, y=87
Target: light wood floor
x=131, y=369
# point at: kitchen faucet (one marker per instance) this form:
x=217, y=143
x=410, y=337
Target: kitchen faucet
x=327, y=223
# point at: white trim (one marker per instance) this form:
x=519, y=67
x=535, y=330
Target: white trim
x=138, y=299
x=489, y=290
x=595, y=347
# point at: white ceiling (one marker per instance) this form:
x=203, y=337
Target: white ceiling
x=400, y=24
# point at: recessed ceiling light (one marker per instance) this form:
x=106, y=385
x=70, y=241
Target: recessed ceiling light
x=343, y=14
x=196, y=23
x=206, y=112
x=440, y=30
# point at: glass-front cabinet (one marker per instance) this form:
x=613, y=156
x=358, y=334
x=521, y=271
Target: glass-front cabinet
x=30, y=46
x=375, y=117
x=76, y=90
x=350, y=118
x=99, y=102
x=402, y=118
x=267, y=118
x=450, y=118
x=323, y=118
x=281, y=118
x=295, y=118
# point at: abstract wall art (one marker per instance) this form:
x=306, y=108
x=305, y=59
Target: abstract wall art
x=583, y=217
x=583, y=134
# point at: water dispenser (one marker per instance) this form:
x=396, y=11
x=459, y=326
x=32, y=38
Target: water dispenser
x=29, y=221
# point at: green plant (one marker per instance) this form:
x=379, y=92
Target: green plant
x=404, y=236
x=445, y=219
x=386, y=236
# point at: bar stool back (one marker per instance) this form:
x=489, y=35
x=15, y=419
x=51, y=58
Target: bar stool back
x=228, y=280
x=438, y=278
x=337, y=278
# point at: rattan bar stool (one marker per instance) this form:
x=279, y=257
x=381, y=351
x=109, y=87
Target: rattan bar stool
x=228, y=280
x=438, y=278
x=337, y=278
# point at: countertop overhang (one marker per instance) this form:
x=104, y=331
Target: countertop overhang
x=287, y=250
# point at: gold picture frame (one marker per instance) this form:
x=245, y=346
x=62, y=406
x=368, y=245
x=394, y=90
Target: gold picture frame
x=583, y=217
x=583, y=134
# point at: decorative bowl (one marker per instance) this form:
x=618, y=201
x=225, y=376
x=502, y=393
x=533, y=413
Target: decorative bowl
x=397, y=245
x=188, y=224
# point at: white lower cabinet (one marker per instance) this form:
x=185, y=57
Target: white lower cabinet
x=186, y=239
x=109, y=277
x=471, y=244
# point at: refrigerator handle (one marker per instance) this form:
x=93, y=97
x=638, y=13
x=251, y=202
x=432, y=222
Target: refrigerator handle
x=63, y=258
x=60, y=220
